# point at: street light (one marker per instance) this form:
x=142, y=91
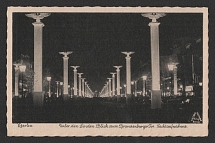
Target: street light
x=22, y=70
x=69, y=92
x=49, y=80
x=72, y=89
x=16, y=79
x=144, y=85
x=171, y=68
x=57, y=88
x=61, y=87
x=132, y=88
x=125, y=89
x=135, y=88
x=120, y=88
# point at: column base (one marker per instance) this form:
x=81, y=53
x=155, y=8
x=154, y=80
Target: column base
x=65, y=97
x=75, y=96
x=16, y=97
x=38, y=99
x=118, y=98
x=114, y=98
x=128, y=99
x=155, y=99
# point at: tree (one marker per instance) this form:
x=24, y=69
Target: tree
x=28, y=77
x=189, y=54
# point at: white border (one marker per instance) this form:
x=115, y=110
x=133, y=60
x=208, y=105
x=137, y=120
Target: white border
x=46, y=129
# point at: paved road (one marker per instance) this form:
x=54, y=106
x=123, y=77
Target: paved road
x=98, y=110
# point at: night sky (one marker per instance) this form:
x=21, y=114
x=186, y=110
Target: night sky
x=97, y=40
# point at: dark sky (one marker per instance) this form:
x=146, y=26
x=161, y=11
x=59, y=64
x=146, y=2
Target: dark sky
x=97, y=40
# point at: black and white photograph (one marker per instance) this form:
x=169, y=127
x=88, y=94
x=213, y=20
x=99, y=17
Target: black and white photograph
x=107, y=71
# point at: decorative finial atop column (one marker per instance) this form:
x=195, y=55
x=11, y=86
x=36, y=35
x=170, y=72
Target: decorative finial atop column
x=128, y=53
x=113, y=73
x=65, y=53
x=79, y=74
x=117, y=67
x=153, y=16
x=75, y=67
x=16, y=65
x=38, y=16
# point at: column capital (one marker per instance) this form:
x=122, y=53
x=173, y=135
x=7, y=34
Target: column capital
x=38, y=16
x=113, y=74
x=154, y=23
x=38, y=24
x=75, y=67
x=16, y=65
x=153, y=16
x=65, y=53
x=117, y=67
x=109, y=79
x=127, y=54
x=79, y=74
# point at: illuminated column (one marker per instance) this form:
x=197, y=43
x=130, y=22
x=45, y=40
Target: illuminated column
x=113, y=84
x=85, y=83
x=107, y=88
x=155, y=63
x=61, y=85
x=65, y=74
x=83, y=87
x=118, y=82
x=38, y=94
x=75, y=79
x=79, y=82
x=49, y=80
x=57, y=82
x=109, y=84
x=16, y=79
x=69, y=92
x=144, y=85
x=88, y=91
x=128, y=75
x=175, y=80
x=102, y=92
x=135, y=88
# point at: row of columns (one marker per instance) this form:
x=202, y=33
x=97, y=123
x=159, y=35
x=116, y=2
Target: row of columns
x=82, y=84
x=155, y=64
x=128, y=79
x=154, y=30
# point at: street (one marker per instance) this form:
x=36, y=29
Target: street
x=105, y=110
